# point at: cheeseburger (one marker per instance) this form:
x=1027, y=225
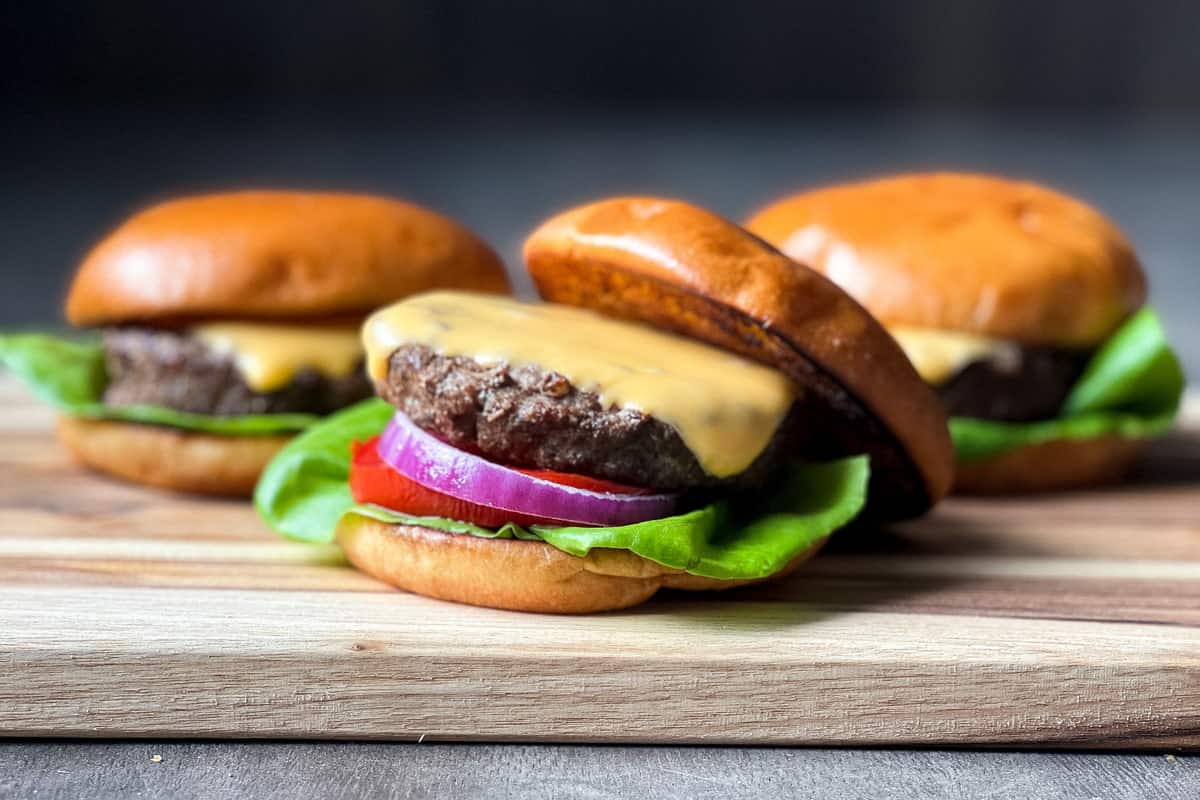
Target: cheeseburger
x=1020, y=306
x=688, y=409
x=228, y=322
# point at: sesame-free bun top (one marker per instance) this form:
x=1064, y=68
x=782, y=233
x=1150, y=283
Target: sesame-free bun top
x=984, y=255
x=681, y=268
x=275, y=255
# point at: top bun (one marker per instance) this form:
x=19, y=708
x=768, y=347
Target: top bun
x=969, y=253
x=275, y=255
x=684, y=269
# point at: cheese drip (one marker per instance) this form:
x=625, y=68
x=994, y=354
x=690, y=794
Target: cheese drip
x=940, y=355
x=724, y=407
x=268, y=356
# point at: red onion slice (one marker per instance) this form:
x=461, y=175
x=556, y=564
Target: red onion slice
x=446, y=469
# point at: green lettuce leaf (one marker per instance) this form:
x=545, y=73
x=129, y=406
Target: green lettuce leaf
x=1131, y=388
x=69, y=374
x=304, y=492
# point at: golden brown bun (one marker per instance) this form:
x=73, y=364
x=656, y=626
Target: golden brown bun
x=1056, y=465
x=275, y=255
x=514, y=574
x=679, y=267
x=169, y=458
x=971, y=253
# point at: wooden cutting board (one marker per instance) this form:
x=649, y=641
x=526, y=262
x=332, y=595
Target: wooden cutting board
x=1069, y=621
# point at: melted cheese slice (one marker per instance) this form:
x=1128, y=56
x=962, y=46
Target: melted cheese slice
x=724, y=407
x=939, y=355
x=268, y=356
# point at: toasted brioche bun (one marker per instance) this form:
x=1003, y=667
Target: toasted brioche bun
x=973, y=253
x=170, y=458
x=684, y=269
x=514, y=574
x=273, y=255
x=1057, y=465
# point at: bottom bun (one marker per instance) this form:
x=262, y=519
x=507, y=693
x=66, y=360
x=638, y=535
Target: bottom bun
x=515, y=574
x=1057, y=465
x=170, y=458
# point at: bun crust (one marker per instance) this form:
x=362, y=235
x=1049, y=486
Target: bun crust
x=1057, y=465
x=681, y=268
x=275, y=255
x=514, y=574
x=169, y=458
x=973, y=253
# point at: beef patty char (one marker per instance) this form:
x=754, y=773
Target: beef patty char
x=1030, y=387
x=528, y=417
x=172, y=369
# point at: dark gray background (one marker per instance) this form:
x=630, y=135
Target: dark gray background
x=1138, y=54
x=502, y=112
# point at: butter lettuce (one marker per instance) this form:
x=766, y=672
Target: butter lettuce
x=69, y=374
x=1131, y=388
x=304, y=493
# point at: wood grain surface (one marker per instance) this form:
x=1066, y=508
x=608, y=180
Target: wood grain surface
x=1069, y=621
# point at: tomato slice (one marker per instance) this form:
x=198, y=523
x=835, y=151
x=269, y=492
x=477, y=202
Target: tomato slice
x=374, y=481
x=583, y=482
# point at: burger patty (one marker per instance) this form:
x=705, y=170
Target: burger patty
x=173, y=369
x=528, y=417
x=1033, y=386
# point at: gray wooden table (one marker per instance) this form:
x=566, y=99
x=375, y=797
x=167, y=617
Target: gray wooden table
x=268, y=770
x=67, y=178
